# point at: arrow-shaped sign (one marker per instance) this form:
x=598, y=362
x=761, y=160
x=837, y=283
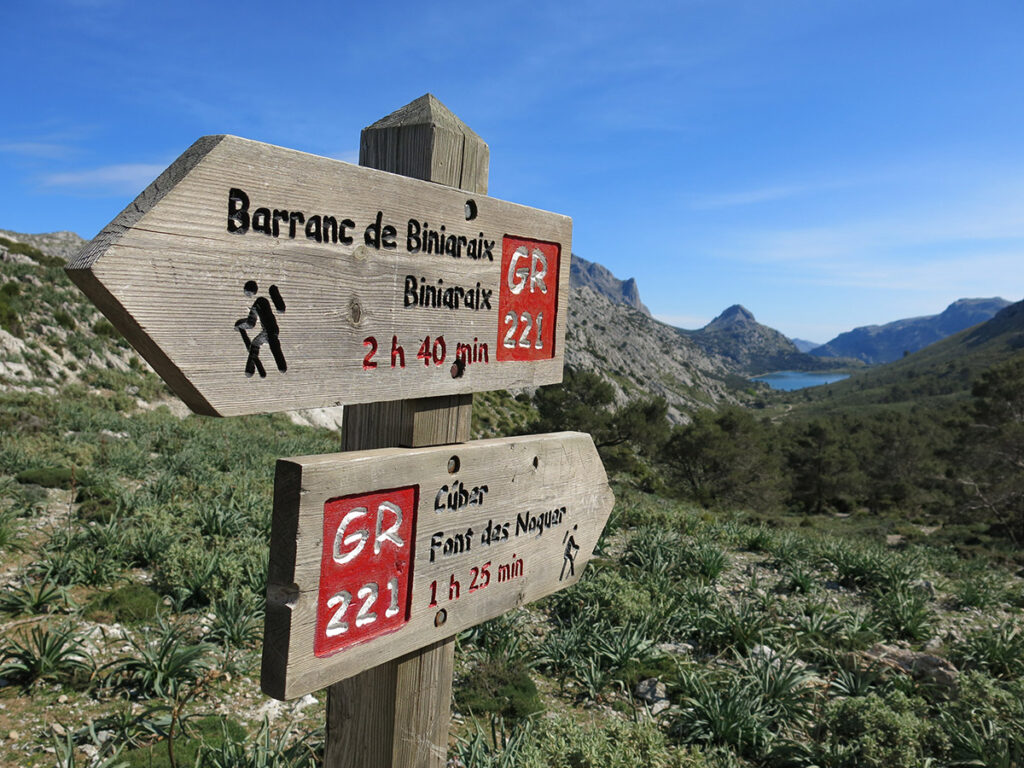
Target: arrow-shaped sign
x=375, y=554
x=255, y=278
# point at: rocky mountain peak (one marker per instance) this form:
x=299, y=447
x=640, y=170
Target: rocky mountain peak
x=749, y=347
x=599, y=279
x=737, y=314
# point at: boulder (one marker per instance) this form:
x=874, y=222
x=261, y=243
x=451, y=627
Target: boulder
x=653, y=693
x=926, y=667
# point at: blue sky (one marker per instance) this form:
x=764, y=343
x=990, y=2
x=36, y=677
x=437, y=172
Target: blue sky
x=826, y=164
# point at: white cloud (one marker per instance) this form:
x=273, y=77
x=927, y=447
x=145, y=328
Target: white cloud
x=35, y=149
x=772, y=192
x=748, y=197
x=954, y=245
x=126, y=178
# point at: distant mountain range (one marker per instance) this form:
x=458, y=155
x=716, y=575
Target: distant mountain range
x=804, y=345
x=947, y=367
x=734, y=340
x=747, y=348
x=874, y=344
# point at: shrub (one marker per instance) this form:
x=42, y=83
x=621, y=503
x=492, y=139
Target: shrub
x=105, y=756
x=799, y=579
x=999, y=650
x=163, y=668
x=46, y=654
x=739, y=626
x=64, y=320
x=783, y=686
x=9, y=533
x=260, y=750
x=493, y=687
x=652, y=550
x=49, y=477
x=564, y=646
x=905, y=615
x=869, y=567
x=614, y=743
x=32, y=252
x=11, y=308
x=724, y=712
x=708, y=561
x=503, y=639
x=238, y=620
x=617, y=598
x=203, y=739
x=984, y=742
x=880, y=731
x=103, y=328
x=79, y=565
x=42, y=597
x=789, y=549
x=981, y=590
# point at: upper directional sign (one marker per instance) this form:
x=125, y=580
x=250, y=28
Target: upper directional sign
x=255, y=278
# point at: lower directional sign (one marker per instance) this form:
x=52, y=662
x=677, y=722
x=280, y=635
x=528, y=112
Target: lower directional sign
x=376, y=554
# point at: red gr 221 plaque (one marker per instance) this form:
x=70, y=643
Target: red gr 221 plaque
x=365, y=568
x=528, y=299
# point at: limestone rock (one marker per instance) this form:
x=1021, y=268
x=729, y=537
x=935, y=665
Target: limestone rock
x=653, y=693
x=925, y=667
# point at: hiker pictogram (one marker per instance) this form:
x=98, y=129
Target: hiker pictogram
x=262, y=313
x=569, y=556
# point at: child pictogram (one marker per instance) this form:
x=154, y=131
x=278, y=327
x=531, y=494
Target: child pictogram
x=261, y=312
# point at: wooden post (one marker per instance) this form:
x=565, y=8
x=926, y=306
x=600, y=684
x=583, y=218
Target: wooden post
x=397, y=715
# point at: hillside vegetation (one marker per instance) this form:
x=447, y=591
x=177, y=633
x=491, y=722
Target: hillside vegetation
x=727, y=619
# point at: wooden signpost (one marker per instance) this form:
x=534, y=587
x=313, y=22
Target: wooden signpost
x=378, y=553
x=257, y=279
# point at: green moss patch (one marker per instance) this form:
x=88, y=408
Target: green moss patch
x=500, y=689
x=211, y=731
x=49, y=477
x=130, y=603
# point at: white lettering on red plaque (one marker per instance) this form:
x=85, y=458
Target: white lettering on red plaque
x=365, y=567
x=528, y=298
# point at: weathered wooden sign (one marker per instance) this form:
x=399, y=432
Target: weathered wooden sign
x=378, y=553
x=255, y=278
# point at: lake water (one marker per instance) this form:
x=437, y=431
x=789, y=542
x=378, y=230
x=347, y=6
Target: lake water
x=790, y=380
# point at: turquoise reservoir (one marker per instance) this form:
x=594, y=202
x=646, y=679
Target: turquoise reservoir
x=790, y=380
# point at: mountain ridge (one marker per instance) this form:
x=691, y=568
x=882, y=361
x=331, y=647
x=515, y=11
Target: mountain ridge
x=874, y=344
x=945, y=369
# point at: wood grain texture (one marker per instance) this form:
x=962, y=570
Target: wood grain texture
x=426, y=141
x=527, y=479
x=398, y=713
x=170, y=276
x=408, y=423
